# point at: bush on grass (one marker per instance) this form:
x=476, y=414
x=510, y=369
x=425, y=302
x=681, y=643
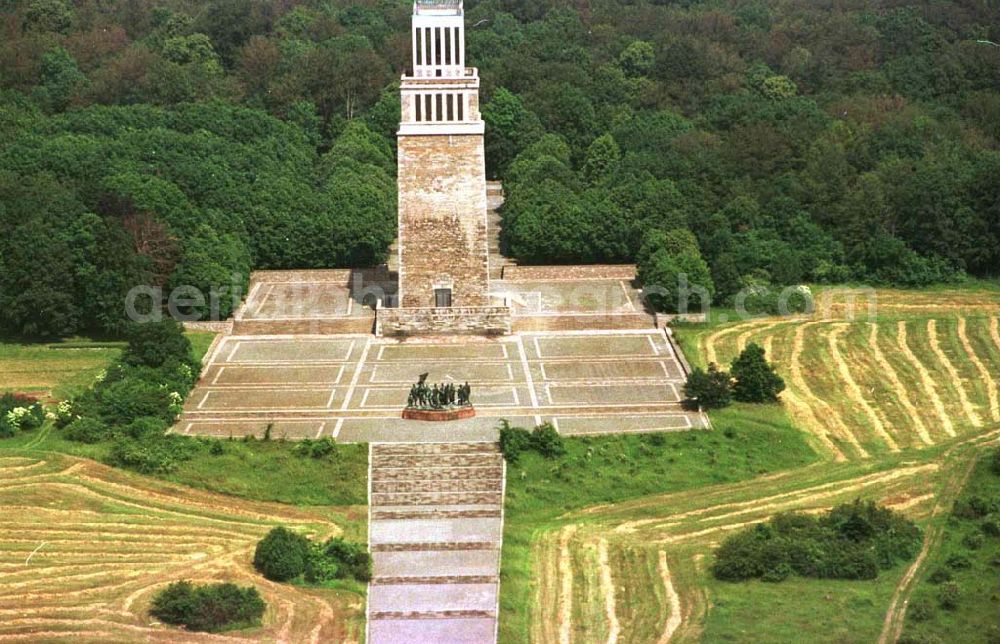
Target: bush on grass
x=949, y=595
x=921, y=610
x=210, y=608
x=87, y=430
x=151, y=454
x=338, y=559
x=853, y=541
x=513, y=441
x=991, y=525
x=318, y=449
x=545, y=440
x=19, y=413
x=282, y=555
x=708, y=390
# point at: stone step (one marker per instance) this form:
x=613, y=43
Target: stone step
x=404, y=601
x=436, y=473
x=439, y=563
x=442, y=614
x=435, y=530
x=436, y=448
x=430, y=498
x=440, y=546
x=430, y=581
x=386, y=515
x=438, y=485
x=441, y=508
x=436, y=461
x=447, y=630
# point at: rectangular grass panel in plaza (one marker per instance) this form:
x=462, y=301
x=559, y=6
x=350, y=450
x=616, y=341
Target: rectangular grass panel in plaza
x=609, y=370
x=299, y=300
x=631, y=394
x=284, y=375
x=467, y=351
x=570, y=346
x=288, y=351
x=598, y=296
x=252, y=400
x=468, y=371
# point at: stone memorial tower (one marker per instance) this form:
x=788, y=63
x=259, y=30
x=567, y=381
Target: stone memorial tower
x=443, y=249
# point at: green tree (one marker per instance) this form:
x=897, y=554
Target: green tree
x=756, y=380
x=602, y=161
x=62, y=80
x=49, y=16
x=282, y=555
x=637, y=59
x=155, y=344
x=510, y=128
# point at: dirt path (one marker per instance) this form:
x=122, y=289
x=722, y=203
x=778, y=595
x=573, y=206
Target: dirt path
x=995, y=331
x=898, y=387
x=795, y=367
x=673, y=601
x=608, y=591
x=925, y=378
x=984, y=373
x=892, y=626
x=963, y=398
x=854, y=391
x=566, y=586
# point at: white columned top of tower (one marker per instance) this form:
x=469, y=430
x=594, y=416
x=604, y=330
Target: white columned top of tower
x=438, y=39
x=441, y=95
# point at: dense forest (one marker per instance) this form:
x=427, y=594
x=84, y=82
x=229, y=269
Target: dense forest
x=743, y=142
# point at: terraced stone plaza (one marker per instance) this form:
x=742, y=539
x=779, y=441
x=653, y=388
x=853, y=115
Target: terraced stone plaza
x=352, y=388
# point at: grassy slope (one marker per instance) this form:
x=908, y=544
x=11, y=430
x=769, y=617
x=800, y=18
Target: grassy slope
x=251, y=470
x=616, y=468
x=977, y=617
x=829, y=611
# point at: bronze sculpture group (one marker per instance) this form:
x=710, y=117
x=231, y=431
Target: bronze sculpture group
x=438, y=397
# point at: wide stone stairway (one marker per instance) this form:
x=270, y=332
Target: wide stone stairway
x=436, y=528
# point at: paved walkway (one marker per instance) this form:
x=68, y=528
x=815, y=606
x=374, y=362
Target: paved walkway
x=436, y=525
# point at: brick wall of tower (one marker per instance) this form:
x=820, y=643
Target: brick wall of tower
x=442, y=219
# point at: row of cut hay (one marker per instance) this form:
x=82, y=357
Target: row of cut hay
x=866, y=388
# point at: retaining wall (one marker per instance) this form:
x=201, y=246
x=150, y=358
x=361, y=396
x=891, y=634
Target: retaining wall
x=610, y=322
x=575, y=273
x=485, y=320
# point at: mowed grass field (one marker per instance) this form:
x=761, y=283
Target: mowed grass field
x=57, y=370
x=924, y=368
x=83, y=548
x=896, y=407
